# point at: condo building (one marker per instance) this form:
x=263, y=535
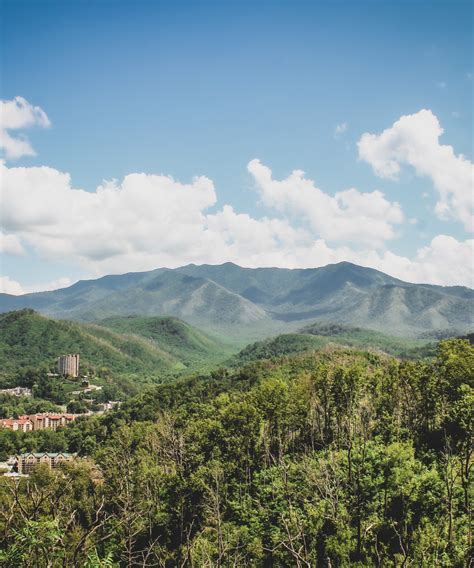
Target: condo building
x=68, y=365
x=48, y=420
x=26, y=463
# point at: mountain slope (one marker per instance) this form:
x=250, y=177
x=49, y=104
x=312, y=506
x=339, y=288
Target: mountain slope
x=251, y=304
x=28, y=339
x=187, y=344
x=369, y=339
x=316, y=337
x=157, y=293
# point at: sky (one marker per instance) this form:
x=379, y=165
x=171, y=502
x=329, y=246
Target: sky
x=140, y=134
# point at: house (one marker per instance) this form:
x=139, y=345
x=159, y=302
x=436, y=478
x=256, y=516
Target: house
x=110, y=405
x=26, y=423
x=25, y=463
x=22, y=423
x=92, y=388
x=17, y=391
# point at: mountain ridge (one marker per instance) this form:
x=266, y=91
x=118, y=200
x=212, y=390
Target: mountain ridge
x=258, y=302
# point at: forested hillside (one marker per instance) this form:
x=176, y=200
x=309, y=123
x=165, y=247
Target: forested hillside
x=187, y=344
x=330, y=459
x=318, y=336
x=145, y=348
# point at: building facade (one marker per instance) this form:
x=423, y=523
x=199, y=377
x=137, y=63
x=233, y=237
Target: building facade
x=50, y=420
x=26, y=463
x=23, y=424
x=68, y=365
x=46, y=420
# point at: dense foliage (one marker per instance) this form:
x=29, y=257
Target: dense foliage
x=316, y=337
x=190, y=346
x=332, y=459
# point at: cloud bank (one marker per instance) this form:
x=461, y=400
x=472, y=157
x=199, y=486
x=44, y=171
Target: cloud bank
x=145, y=221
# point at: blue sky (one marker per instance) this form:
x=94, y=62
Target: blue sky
x=190, y=89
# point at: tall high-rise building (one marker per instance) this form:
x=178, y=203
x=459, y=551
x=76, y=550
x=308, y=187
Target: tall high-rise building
x=68, y=365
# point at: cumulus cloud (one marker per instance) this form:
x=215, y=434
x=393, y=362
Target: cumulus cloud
x=18, y=114
x=414, y=140
x=445, y=261
x=364, y=218
x=141, y=215
x=445, y=253
x=62, y=282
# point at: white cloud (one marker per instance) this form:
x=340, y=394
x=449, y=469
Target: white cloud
x=10, y=244
x=364, y=218
x=8, y=286
x=18, y=114
x=445, y=261
x=445, y=253
x=142, y=215
x=340, y=129
x=441, y=84
x=414, y=140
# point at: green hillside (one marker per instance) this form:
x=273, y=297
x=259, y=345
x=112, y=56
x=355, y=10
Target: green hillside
x=368, y=339
x=28, y=339
x=184, y=342
x=280, y=346
x=318, y=336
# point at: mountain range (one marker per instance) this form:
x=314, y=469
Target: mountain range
x=249, y=304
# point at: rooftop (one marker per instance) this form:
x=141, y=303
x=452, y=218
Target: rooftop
x=49, y=454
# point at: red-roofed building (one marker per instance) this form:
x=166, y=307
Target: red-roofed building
x=23, y=423
x=50, y=420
